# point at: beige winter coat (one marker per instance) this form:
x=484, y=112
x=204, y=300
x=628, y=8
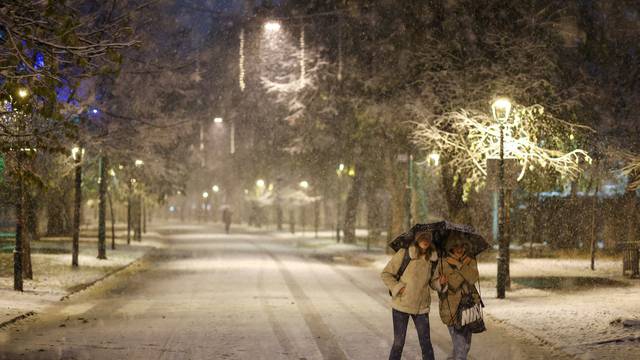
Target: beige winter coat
x=415, y=280
x=451, y=293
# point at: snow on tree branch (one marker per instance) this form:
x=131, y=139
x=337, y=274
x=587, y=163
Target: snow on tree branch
x=533, y=137
x=289, y=72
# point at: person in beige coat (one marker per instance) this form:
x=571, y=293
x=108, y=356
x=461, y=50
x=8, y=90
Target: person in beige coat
x=454, y=276
x=410, y=294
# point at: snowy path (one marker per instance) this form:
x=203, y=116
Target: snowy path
x=244, y=296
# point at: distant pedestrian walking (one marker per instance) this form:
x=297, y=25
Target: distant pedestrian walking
x=226, y=218
x=460, y=302
x=408, y=276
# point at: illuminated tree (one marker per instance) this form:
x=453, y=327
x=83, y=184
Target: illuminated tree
x=534, y=137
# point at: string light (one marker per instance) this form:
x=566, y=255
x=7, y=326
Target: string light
x=241, y=82
x=302, y=59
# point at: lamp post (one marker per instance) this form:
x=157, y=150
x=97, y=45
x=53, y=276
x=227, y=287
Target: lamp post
x=501, y=109
x=304, y=185
x=77, y=153
x=205, y=197
x=138, y=230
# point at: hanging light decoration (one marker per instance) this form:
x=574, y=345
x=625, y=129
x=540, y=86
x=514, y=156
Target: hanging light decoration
x=241, y=82
x=302, y=55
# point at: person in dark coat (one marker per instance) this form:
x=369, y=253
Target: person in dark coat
x=226, y=219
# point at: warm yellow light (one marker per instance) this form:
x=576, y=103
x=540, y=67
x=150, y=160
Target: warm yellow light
x=139, y=162
x=352, y=172
x=272, y=26
x=218, y=120
x=260, y=183
x=23, y=93
x=112, y=172
x=215, y=188
x=304, y=184
x=501, y=108
x=76, y=152
x=434, y=159
x=205, y=195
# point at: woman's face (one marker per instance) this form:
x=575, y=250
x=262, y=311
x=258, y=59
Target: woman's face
x=424, y=244
x=458, y=250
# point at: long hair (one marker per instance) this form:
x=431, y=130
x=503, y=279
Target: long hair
x=425, y=235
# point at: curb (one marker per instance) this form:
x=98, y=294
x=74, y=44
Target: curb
x=81, y=287
x=17, y=318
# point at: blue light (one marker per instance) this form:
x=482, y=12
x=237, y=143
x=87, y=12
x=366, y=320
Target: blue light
x=94, y=111
x=39, y=61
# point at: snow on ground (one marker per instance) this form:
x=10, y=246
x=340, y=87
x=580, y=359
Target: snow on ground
x=579, y=318
x=53, y=276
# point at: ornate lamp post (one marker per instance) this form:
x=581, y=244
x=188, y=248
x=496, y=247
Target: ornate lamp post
x=501, y=109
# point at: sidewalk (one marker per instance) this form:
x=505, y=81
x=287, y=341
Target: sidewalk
x=53, y=277
x=556, y=303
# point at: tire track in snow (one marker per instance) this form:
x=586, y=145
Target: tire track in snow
x=277, y=328
x=324, y=338
x=350, y=309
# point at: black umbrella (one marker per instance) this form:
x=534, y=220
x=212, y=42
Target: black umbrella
x=441, y=231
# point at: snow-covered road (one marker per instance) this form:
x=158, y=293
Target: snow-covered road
x=209, y=295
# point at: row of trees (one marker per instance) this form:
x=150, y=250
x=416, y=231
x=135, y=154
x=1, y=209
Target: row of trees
x=366, y=85
x=65, y=72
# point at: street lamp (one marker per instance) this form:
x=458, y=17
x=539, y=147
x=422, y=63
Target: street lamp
x=434, y=159
x=501, y=108
x=260, y=183
x=304, y=184
x=218, y=120
x=205, y=195
x=272, y=26
x=139, y=163
x=215, y=188
x=23, y=93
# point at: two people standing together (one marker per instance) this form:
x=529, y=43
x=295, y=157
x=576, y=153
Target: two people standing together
x=421, y=270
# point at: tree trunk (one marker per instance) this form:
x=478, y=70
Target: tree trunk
x=292, y=221
x=129, y=213
x=138, y=214
x=396, y=181
x=30, y=230
x=77, y=205
x=20, y=217
x=144, y=216
x=102, y=209
x=113, y=222
x=594, y=207
x=458, y=210
x=351, y=211
x=57, y=213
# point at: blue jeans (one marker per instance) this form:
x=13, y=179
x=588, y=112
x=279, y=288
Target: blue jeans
x=461, y=343
x=400, y=322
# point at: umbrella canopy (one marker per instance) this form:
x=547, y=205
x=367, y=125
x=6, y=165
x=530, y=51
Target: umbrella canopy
x=441, y=234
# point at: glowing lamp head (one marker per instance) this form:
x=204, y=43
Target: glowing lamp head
x=74, y=152
x=260, y=183
x=304, y=184
x=501, y=109
x=139, y=163
x=215, y=188
x=205, y=195
x=434, y=158
x=218, y=120
x=23, y=93
x=94, y=111
x=272, y=26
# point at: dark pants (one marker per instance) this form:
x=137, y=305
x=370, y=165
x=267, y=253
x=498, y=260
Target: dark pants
x=400, y=322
